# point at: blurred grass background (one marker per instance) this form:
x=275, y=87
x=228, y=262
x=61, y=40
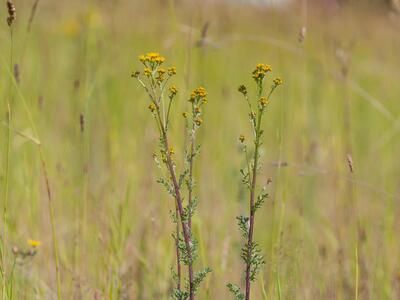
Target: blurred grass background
x=340, y=96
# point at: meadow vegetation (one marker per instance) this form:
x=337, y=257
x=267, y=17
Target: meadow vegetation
x=83, y=216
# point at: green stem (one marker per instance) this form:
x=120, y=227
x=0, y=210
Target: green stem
x=178, y=198
x=52, y=221
x=252, y=191
x=5, y=208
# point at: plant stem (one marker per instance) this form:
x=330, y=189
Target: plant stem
x=191, y=180
x=7, y=171
x=178, y=255
x=252, y=211
x=185, y=227
x=178, y=198
x=6, y=180
x=52, y=221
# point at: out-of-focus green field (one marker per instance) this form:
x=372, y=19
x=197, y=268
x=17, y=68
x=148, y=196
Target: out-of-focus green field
x=324, y=230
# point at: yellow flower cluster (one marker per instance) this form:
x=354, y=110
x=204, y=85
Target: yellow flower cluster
x=152, y=57
x=152, y=107
x=152, y=62
x=199, y=93
x=263, y=101
x=278, y=81
x=147, y=72
x=173, y=90
x=161, y=72
x=171, y=71
x=260, y=71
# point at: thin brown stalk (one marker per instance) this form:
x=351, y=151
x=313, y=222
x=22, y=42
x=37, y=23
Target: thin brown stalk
x=178, y=197
x=190, y=192
x=251, y=207
x=178, y=255
x=52, y=219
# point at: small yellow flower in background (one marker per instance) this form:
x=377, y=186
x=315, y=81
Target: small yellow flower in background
x=171, y=151
x=242, y=138
x=263, y=101
x=185, y=115
x=152, y=107
x=71, y=27
x=197, y=110
x=278, y=81
x=172, y=71
x=34, y=243
x=173, y=90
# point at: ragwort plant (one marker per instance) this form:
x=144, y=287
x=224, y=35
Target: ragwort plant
x=250, y=253
x=155, y=80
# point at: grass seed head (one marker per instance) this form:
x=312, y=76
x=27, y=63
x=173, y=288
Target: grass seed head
x=12, y=15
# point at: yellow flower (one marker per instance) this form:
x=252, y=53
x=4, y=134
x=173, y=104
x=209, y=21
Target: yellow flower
x=171, y=151
x=152, y=58
x=161, y=71
x=173, y=90
x=184, y=114
x=263, y=101
x=260, y=71
x=197, y=110
x=172, y=71
x=278, y=81
x=142, y=58
x=34, y=243
x=242, y=138
x=201, y=92
x=197, y=94
x=155, y=57
x=147, y=72
x=152, y=107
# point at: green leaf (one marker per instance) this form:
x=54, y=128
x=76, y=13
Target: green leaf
x=235, y=290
